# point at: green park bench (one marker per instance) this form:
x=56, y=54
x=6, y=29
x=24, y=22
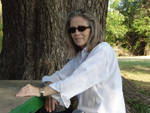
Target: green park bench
x=30, y=106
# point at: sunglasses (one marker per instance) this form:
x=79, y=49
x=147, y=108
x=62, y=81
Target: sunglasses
x=79, y=28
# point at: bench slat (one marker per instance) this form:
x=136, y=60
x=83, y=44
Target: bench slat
x=30, y=106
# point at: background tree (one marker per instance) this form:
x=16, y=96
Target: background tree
x=137, y=20
x=115, y=27
x=128, y=25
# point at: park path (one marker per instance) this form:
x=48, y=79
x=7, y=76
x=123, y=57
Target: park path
x=139, y=58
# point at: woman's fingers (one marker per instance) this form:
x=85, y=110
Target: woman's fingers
x=47, y=104
x=22, y=92
x=54, y=103
x=50, y=104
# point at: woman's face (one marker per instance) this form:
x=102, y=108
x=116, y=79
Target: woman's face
x=80, y=31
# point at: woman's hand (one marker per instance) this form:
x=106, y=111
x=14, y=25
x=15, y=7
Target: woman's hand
x=29, y=90
x=50, y=104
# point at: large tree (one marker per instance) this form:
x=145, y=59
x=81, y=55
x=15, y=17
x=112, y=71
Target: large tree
x=33, y=35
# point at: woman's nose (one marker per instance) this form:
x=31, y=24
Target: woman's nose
x=77, y=32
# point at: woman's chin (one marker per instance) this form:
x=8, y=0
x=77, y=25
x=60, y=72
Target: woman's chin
x=80, y=45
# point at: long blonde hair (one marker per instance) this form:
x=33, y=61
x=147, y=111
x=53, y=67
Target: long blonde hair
x=95, y=35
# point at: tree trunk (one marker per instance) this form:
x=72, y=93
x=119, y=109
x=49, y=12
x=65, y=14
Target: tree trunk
x=136, y=43
x=34, y=42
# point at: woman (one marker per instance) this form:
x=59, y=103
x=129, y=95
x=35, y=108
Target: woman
x=93, y=73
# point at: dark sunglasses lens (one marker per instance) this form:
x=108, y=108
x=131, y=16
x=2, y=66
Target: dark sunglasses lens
x=81, y=28
x=72, y=30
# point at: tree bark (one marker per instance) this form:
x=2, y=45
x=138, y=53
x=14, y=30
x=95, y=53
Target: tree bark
x=34, y=42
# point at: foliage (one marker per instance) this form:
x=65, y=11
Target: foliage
x=115, y=28
x=142, y=25
x=133, y=21
x=136, y=18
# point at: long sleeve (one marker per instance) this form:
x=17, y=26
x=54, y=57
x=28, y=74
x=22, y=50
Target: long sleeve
x=92, y=71
x=61, y=74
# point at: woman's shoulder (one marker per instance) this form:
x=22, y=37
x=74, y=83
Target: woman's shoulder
x=103, y=46
x=105, y=49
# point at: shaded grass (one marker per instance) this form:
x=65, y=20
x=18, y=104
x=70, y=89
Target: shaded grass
x=138, y=73
x=139, y=107
x=136, y=70
x=135, y=66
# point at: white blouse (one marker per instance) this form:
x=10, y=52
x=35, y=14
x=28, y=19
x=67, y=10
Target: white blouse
x=94, y=77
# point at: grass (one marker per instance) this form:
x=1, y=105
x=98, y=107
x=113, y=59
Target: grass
x=138, y=72
x=139, y=107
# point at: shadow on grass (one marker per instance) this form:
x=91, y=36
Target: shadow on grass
x=137, y=96
x=135, y=66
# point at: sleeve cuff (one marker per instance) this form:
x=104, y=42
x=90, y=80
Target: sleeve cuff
x=63, y=101
x=47, y=78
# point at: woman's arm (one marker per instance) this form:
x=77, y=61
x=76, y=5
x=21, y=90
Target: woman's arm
x=61, y=74
x=30, y=90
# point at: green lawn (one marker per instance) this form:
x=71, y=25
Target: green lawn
x=136, y=70
x=138, y=73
